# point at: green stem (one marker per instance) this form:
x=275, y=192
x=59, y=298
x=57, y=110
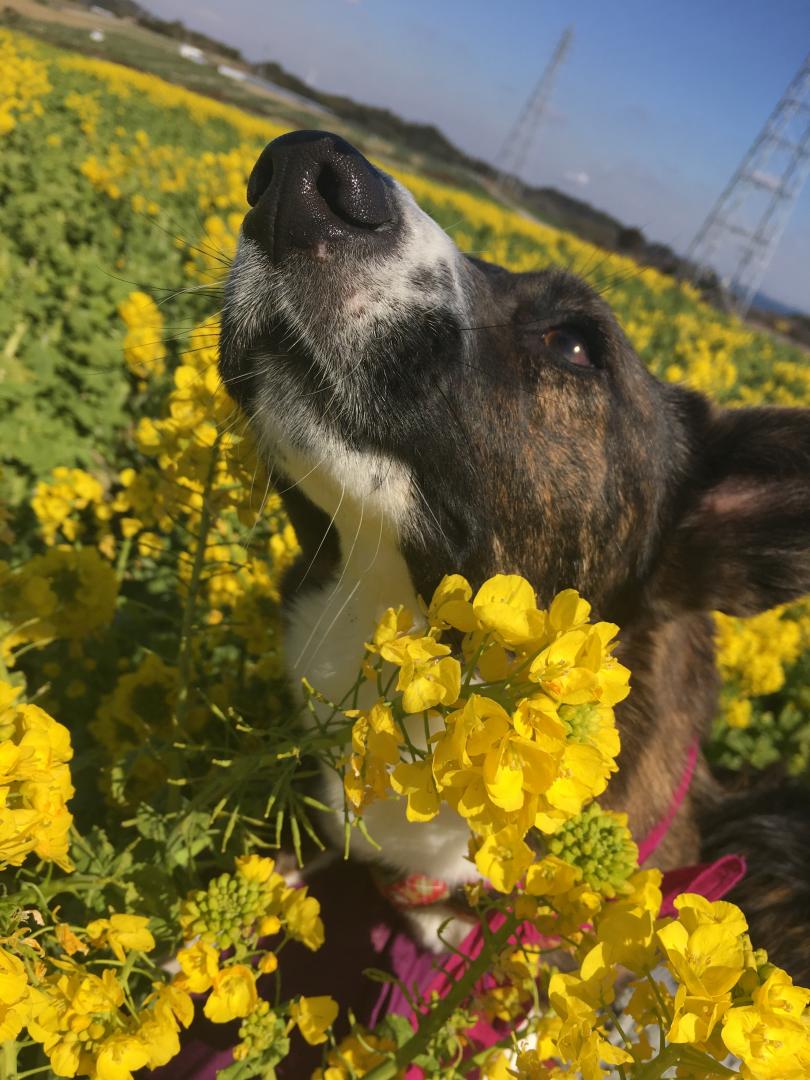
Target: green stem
x=123, y=559
x=437, y=1017
x=661, y=1003
x=8, y=1061
x=184, y=659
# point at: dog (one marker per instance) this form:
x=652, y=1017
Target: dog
x=427, y=412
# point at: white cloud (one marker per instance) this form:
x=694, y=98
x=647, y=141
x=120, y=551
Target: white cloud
x=579, y=179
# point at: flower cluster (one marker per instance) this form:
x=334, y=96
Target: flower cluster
x=87, y=1027
x=67, y=593
x=23, y=82
x=727, y=998
x=226, y=926
x=58, y=503
x=35, y=783
x=144, y=351
x=520, y=731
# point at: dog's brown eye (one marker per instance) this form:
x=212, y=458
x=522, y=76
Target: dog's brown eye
x=568, y=346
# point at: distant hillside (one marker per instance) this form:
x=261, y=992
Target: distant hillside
x=547, y=203
x=129, y=9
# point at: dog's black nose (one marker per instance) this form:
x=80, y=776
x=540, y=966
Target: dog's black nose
x=310, y=190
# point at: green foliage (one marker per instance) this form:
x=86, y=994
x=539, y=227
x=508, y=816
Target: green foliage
x=778, y=733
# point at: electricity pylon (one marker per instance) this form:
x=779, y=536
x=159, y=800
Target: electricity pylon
x=747, y=221
x=518, y=142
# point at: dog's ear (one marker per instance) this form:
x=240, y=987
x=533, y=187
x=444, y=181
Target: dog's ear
x=741, y=538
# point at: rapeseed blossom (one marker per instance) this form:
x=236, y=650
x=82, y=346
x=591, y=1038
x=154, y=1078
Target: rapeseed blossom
x=527, y=743
x=35, y=783
x=144, y=351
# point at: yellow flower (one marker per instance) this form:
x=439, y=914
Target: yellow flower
x=144, y=350
x=314, y=1016
x=537, y=718
x=119, y=1056
x=377, y=734
x=68, y=941
x=708, y=962
x=395, y=622
x=429, y=684
x=13, y=995
x=579, y=1040
x=450, y=605
x=496, y=1067
x=138, y=704
x=568, y=611
x=415, y=779
x=695, y=1017
x=169, y=998
x=772, y=1035
x=506, y=605
x=122, y=933
x=35, y=783
x=376, y=739
x=158, y=1032
x=199, y=963
x=737, y=713
x=268, y=963
x=551, y=877
x=233, y=995
x=628, y=934
x=65, y=593
x=583, y=775
x=515, y=768
x=486, y=769
x=59, y=503
x=255, y=868
x=74, y=1013
x=593, y=984
x=355, y=1055
x=302, y=917
x=504, y=858
x=695, y=910
x=778, y=994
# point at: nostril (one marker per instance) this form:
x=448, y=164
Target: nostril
x=355, y=196
x=328, y=184
x=260, y=179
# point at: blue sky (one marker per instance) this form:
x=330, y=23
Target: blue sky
x=656, y=102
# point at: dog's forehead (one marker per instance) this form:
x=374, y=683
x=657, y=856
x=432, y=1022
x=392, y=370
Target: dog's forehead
x=547, y=293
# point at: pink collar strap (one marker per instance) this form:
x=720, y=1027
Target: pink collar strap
x=654, y=837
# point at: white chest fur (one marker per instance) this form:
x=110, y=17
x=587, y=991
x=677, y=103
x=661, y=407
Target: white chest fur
x=325, y=633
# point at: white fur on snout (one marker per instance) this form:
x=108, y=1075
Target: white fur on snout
x=376, y=293
x=388, y=289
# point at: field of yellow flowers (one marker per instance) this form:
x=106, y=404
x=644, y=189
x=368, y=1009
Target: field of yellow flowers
x=140, y=668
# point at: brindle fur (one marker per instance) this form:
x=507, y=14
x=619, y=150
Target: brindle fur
x=656, y=505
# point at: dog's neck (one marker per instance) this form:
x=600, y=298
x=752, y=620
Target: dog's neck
x=674, y=689
x=326, y=629
x=329, y=620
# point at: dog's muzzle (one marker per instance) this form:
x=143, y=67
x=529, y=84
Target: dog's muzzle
x=312, y=192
